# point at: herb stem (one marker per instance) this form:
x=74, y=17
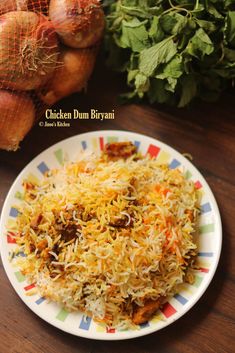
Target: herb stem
x=176, y=9
x=196, y=5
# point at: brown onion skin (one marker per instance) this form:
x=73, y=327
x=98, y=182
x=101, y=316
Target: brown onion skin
x=79, y=23
x=28, y=50
x=12, y=5
x=17, y=115
x=72, y=76
x=7, y=5
x=38, y=6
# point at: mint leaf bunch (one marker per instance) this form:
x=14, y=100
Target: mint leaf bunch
x=172, y=50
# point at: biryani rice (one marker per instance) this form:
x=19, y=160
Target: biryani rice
x=104, y=236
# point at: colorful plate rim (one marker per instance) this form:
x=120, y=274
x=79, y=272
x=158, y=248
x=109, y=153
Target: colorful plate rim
x=119, y=335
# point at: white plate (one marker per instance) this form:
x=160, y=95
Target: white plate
x=210, y=237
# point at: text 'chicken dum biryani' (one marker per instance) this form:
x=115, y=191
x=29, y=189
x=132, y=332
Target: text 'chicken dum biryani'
x=109, y=235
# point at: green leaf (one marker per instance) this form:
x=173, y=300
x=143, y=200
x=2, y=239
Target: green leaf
x=192, y=24
x=230, y=28
x=160, y=53
x=228, y=3
x=134, y=61
x=135, y=11
x=171, y=72
x=140, y=9
x=180, y=25
x=141, y=83
x=167, y=23
x=189, y=90
x=173, y=68
x=134, y=35
x=171, y=84
x=157, y=92
x=229, y=54
x=173, y=23
x=208, y=26
x=200, y=45
x=131, y=75
x=155, y=31
x=214, y=12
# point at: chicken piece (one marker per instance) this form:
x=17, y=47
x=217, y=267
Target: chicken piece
x=144, y=313
x=118, y=150
x=36, y=221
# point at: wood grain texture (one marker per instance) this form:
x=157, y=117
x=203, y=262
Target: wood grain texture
x=207, y=131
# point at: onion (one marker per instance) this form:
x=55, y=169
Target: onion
x=79, y=23
x=12, y=5
x=28, y=50
x=17, y=115
x=76, y=67
x=40, y=6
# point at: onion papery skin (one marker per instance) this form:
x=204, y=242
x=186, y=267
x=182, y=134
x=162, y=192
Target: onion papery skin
x=28, y=50
x=79, y=23
x=72, y=76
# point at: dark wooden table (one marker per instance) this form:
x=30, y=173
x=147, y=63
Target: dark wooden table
x=207, y=131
